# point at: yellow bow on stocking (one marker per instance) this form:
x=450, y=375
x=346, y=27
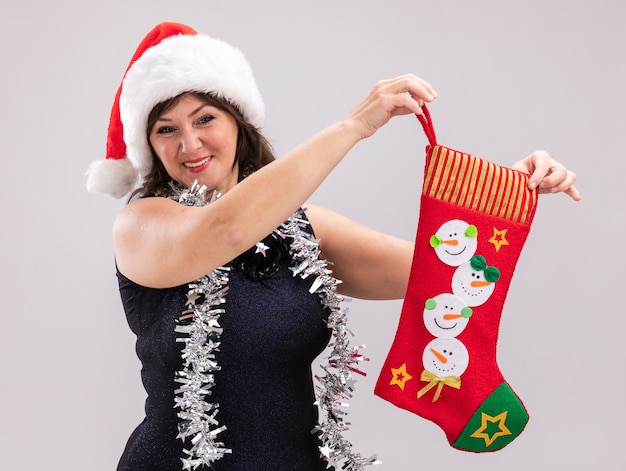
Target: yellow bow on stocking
x=434, y=380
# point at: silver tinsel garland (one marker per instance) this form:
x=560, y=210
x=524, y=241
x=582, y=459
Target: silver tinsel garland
x=201, y=329
x=201, y=340
x=202, y=333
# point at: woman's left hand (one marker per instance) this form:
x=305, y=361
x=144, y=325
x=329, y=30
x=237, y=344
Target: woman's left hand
x=548, y=174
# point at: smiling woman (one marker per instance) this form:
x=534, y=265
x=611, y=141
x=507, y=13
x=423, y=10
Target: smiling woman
x=252, y=148
x=197, y=142
x=232, y=297
x=189, y=111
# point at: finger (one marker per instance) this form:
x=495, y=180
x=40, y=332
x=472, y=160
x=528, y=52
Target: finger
x=549, y=175
x=379, y=107
x=403, y=103
x=425, y=84
x=539, y=164
x=573, y=193
x=557, y=176
x=566, y=183
x=415, y=86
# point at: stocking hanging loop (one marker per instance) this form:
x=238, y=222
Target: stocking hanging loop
x=427, y=124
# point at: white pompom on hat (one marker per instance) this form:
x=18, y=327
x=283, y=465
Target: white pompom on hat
x=172, y=59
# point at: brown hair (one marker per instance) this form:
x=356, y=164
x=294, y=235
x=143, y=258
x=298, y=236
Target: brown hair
x=253, y=149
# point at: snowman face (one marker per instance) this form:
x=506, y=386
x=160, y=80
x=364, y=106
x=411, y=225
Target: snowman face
x=455, y=242
x=471, y=286
x=445, y=357
x=446, y=315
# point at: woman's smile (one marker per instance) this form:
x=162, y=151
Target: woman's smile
x=197, y=165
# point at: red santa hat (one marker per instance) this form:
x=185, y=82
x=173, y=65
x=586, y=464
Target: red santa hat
x=170, y=60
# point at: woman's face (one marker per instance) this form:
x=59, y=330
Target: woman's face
x=197, y=141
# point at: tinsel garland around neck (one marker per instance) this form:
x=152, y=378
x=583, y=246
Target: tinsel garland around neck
x=200, y=325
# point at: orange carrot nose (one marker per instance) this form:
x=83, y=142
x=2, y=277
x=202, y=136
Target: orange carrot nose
x=439, y=356
x=450, y=242
x=478, y=284
x=449, y=317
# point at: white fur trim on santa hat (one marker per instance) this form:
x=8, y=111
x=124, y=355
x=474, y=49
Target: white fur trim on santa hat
x=113, y=177
x=180, y=64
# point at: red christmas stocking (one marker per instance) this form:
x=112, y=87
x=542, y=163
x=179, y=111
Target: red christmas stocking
x=474, y=220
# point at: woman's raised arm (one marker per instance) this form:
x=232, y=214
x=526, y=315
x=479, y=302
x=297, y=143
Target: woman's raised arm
x=160, y=243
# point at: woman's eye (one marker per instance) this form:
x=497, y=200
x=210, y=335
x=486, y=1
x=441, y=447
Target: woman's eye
x=206, y=119
x=164, y=130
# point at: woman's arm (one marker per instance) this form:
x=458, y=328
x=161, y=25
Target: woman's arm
x=160, y=243
x=370, y=264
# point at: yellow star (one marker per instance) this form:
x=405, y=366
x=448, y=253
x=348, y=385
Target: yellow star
x=482, y=433
x=400, y=376
x=498, y=238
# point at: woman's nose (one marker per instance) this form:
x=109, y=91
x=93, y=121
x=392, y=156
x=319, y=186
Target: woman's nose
x=190, y=141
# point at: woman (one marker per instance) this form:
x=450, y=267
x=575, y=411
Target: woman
x=232, y=351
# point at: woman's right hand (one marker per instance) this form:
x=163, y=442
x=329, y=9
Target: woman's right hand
x=402, y=95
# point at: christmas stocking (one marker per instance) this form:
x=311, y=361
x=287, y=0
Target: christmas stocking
x=474, y=220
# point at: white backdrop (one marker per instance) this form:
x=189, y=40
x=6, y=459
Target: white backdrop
x=511, y=77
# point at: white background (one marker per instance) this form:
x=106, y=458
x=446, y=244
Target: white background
x=511, y=76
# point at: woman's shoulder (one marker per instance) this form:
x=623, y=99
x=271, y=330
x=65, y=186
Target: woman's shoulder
x=142, y=208
x=148, y=201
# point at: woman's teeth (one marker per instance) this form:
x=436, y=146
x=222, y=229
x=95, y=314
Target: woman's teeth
x=199, y=163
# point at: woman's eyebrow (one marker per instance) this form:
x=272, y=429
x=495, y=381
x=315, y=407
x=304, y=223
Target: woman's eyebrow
x=203, y=105
x=163, y=118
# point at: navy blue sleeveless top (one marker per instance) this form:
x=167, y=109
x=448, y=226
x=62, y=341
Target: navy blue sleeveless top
x=273, y=330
